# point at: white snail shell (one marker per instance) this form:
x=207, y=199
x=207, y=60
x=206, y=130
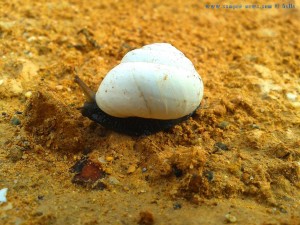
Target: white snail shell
x=156, y=81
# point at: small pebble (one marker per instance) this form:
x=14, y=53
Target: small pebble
x=177, y=206
x=223, y=124
x=40, y=197
x=102, y=160
x=209, y=175
x=144, y=169
x=177, y=172
x=6, y=26
x=219, y=110
x=255, y=126
x=282, y=210
x=3, y=193
x=266, y=32
x=108, y=170
x=274, y=210
x=221, y=146
x=113, y=180
x=15, y=87
x=263, y=70
x=28, y=94
x=59, y=87
x=230, y=218
x=291, y=96
x=15, y=121
x=31, y=39
x=109, y=158
x=19, y=112
x=131, y=169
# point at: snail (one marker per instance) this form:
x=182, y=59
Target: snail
x=153, y=88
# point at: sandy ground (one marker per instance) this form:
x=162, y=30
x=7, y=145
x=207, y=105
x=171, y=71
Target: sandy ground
x=236, y=161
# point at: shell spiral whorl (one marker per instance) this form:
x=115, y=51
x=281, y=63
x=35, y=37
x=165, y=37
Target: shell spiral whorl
x=156, y=81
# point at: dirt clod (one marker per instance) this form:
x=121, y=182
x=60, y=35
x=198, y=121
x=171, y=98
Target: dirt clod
x=53, y=124
x=15, y=154
x=146, y=218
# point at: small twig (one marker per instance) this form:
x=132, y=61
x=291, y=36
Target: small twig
x=89, y=37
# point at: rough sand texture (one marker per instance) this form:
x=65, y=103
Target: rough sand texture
x=237, y=158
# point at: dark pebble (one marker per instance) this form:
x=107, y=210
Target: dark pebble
x=77, y=167
x=37, y=214
x=86, y=151
x=40, y=197
x=177, y=206
x=209, y=175
x=221, y=146
x=146, y=218
x=99, y=186
x=282, y=210
x=19, y=112
x=177, y=172
x=4, y=113
x=15, y=121
x=223, y=124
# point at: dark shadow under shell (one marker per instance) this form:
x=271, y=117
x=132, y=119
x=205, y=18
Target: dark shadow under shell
x=134, y=126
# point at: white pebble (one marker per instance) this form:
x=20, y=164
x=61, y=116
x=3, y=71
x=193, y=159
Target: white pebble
x=230, y=218
x=28, y=94
x=16, y=86
x=102, y=160
x=264, y=71
x=31, y=39
x=3, y=193
x=7, y=25
x=113, y=180
x=59, y=87
x=267, y=32
x=1, y=82
x=291, y=96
